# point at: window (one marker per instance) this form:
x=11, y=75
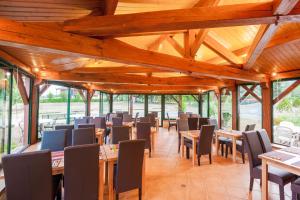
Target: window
x=104, y=103
x=154, y=104
x=213, y=105
x=190, y=103
x=138, y=105
x=205, y=105
x=120, y=103
x=95, y=104
x=286, y=119
x=226, y=109
x=173, y=104
x=250, y=106
x=78, y=106
x=53, y=106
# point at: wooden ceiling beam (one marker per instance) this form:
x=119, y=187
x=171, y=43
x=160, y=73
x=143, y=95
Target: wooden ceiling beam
x=266, y=31
x=170, y=20
x=119, y=70
x=176, y=45
x=110, y=7
x=21, y=87
x=219, y=49
x=154, y=46
x=132, y=79
x=29, y=36
x=286, y=75
x=13, y=60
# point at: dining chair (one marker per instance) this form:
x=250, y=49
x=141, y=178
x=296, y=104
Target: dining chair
x=127, y=118
x=295, y=187
x=97, y=121
x=120, y=115
x=83, y=136
x=28, y=176
x=54, y=140
x=250, y=127
x=194, y=115
x=193, y=123
x=171, y=123
x=120, y=133
x=222, y=140
x=144, y=119
x=183, y=116
x=203, y=121
x=135, y=119
x=151, y=117
x=182, y=125
x=88, y=119
x=112, y=115
x=254, y=148
x=69, y=129
x=265, y=140
x=117, y=121
x=204, y=142
x=155, y=113
x=81, y=172
x=79, y=121
x=128, y=171
x=143, y=132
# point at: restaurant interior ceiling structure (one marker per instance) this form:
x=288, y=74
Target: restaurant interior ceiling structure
x=153, y=46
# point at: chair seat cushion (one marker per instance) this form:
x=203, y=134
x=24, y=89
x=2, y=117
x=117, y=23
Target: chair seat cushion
x=275, y=175
x=223, y=139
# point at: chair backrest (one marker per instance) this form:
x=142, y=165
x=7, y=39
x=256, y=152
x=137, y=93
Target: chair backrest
x=213, y=122
x=264, y=139
x=127, y=118
x=87, y=126
x=79, y=121
x=143, y=131
x=144, y=119
x=54, y=140
x=117, y=121
x=81, y=172
x=182, y=125
x=151, y=117
x=183, y=116
x=99, y=122
x=28, y=175
x=129, y=165
x=194, y=115
x=69, y=129
x=112, y=115
x=155, y=113
x=193, y=123
x=120, y=133
x=168, y=117
x=250, y=127
x=253, y=149
x=205, y=139
x=83, y=136
x=120, y=115
x=203, y=121
x=88, y=119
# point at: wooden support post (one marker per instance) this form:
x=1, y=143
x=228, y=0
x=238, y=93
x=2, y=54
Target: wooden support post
x=234, y=107
x=34, y=98
x=218, y=95
x=130, y=104
x=89, y=96
x=267, y=108
x=110, y=99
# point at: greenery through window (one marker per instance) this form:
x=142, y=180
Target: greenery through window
x=137, y=105
x=95, y=104
x=78, y=105
x=120, y=103
x=226, y=109
x=205, y=105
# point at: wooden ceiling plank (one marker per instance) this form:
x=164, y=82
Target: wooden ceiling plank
x=266, y=31
x=168, y=20
x=176, y=45
x=29, y=36
x=219, y=49
x=13, y=60
x=122, y=69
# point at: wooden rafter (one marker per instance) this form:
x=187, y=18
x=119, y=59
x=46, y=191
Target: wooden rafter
x=247, y=93
x=43, y=89
x=176, y=45
x=286, y=92
x=13, y=60
x=33, y=37
x=266, y=31
x=285, y=75
x=110, y=7
x=193, y=18
x=154, y=46
x=21, y=88
x=119, y=70
x=252, y=93
x=80, y=92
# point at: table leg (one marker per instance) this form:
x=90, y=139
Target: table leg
x=182, y=146
x=233, y=149
x=264, y=187
x=144, y=175
x=194, y=150
x=101, y=180
x=110, y=180
x=157, y=125
x=217, y=144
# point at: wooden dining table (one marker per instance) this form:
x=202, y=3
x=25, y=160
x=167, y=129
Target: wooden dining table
x=111, y=153
x=58, y=164
x=234, y=135
x=287, y=159
x=192, y=135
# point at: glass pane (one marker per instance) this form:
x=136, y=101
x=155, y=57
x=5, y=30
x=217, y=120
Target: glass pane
x=226, y=109
x=52, y=106
x=104, y=105
x=205, y=105
x=120, y=103
x=190, y=104
x=4, y=101
x=138, y=105
x=19, y=135
x=213, y=105
x=95, y=104
x=250, y=111
x=286, y=119
x=154, y=104
x=78, y=106
x=172, y=105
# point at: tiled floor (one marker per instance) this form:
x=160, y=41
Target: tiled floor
x=170, y=177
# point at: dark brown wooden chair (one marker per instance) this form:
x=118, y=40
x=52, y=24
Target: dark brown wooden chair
x=143, y=132
x=117, y=121
x=69, y=129
x=193, y=123
x=171, y=123
x=83, y=136
x=182, y=125
x=54, y=140
x=120, y=133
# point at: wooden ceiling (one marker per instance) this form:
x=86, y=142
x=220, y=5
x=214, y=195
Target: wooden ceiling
x=153, y=46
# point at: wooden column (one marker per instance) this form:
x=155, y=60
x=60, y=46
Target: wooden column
x=34, y=98
x=110, y=103
x=267, y=108
x=234, y=107
x=218, y=95
x=89, y=96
